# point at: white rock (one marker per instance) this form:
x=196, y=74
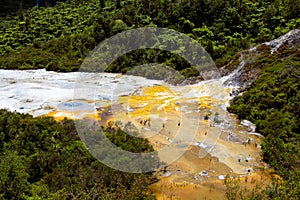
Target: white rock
x=203, y=173
x=249, y=124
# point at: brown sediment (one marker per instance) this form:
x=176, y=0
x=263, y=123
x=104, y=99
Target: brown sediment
x=185, y=180
x=172, y=188
x=156, y=113
x=176, y=187
x=191, y=163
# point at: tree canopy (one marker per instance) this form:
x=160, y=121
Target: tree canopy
x=59, y=37
x=44, y=159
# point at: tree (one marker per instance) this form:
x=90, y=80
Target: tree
x=13, y=176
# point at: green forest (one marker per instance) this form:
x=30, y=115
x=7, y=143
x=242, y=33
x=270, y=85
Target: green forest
x=272, y=102
x=45, y=159
x=41, y=158
x=59, y=37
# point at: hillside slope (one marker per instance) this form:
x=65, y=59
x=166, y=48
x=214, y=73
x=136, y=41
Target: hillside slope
x=272, y=102
x=59, y=38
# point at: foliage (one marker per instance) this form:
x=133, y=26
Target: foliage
x=235, y=190
x=272, y=102
x=44, y=159
x=59, y=37
x=47, y=161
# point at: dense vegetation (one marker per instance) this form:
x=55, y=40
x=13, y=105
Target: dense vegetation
x=44, y=159
x=272, y=102
x=12, y=7
x=60, y=37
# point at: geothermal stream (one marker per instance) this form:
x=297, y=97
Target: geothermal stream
x=208, y=142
